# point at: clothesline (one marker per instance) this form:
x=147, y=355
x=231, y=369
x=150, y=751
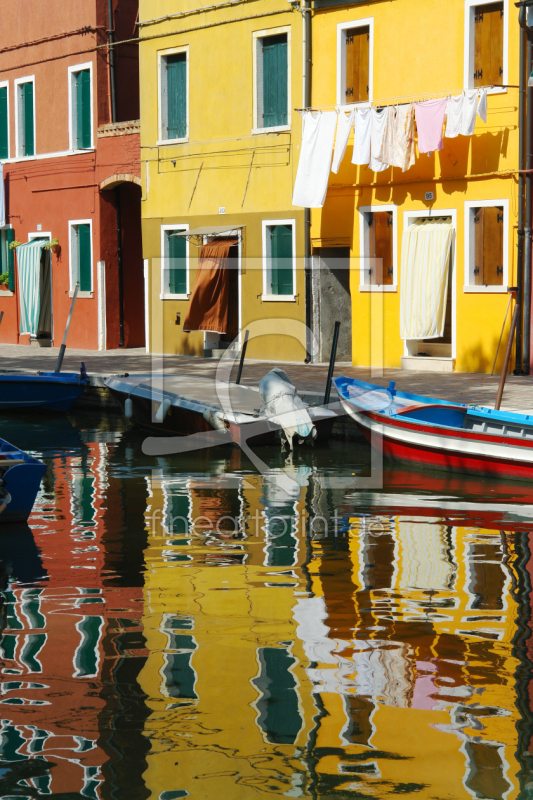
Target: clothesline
x=409, y=98
x=383, y=137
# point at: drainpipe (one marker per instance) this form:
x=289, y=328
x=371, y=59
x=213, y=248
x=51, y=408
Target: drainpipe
x=306, y=47
x=524, y=231
x=112, y=74
x=113, y=83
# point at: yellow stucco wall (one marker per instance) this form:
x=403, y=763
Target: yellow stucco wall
x=419, y=50
x=223, y=164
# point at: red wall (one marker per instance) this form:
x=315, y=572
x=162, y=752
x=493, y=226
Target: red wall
x=54, y=188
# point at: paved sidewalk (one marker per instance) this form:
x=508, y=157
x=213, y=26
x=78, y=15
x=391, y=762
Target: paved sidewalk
x=462, y=387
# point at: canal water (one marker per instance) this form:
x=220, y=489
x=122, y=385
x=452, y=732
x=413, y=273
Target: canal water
x=184, y=627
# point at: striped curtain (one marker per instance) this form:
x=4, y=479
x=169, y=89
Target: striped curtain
x=29, y=272
x=426, y=250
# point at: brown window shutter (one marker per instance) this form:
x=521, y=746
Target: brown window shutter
x=488, y=58
x=382, y=233
x=493, y=247
x=479, y=218
x=357, y=64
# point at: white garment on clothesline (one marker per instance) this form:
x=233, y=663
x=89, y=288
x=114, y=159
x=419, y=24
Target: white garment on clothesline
x=482, y=105
x=344, y=128
x=380, y=119
x=314, y=165
x=454, y=114
x=362, y=129
x=468, y=123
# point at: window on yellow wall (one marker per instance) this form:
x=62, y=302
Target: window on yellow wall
x=488, y=246
x=380, y=230
x=357, y=66
x=488, y=52
x=355, y=45
x=378, y=247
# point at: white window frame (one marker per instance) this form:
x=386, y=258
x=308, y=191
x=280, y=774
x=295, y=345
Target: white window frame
x=267, y=296
x=161, y=56
x=470, y=244
x=71, y=224
x=72, y=71
x=364, y=285
x=342, y=27
x=18, y=148
x=409, y=217
x=165, y=294
x=6, y=84
x=258, y=70
x=469, y=44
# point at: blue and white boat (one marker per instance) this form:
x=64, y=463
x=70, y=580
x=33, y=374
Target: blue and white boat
x=52, y=391
x=437, y=433
x=20, y=479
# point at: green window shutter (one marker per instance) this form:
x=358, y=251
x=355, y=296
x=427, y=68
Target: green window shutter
x=84, y=258
x=4, y=127
x=177, y=265
x=28, y=147
x=274, y=81
x=281, y=259
x=83, y=109
x=10, y=237
x=176, y=67
x=278, y=710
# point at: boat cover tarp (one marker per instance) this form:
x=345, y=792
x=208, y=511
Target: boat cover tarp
x=370, y=399
x=282, y=405
x=29, y=274
x=426, y=249
x=208, y=306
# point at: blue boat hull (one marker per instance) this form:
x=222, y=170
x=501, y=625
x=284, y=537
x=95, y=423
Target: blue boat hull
x=21, y=481
x=52, y=391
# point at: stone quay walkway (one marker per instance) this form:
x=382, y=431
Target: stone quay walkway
x=473, y=388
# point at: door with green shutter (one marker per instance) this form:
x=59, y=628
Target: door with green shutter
x=28, y=136
x=4, y=124
x=82, y=122
x=177, y=265
x=176, y=87
x=281, y=260
x=274, y=81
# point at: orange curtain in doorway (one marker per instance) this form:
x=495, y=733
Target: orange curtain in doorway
x=208, y=306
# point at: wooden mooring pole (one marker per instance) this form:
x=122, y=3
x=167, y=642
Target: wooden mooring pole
x=507, y=356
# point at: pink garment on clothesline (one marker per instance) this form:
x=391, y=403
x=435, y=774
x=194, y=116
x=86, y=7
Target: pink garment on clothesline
x=429, y=121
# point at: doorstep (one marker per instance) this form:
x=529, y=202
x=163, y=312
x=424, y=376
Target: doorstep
x=428, y=364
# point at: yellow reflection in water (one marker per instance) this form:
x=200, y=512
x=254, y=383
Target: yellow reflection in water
x=374, y=665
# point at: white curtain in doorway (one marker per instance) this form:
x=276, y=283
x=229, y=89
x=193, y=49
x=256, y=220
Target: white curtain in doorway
x=426, y=251
x=29, y=274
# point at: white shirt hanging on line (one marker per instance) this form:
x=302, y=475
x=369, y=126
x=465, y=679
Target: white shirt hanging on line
x=362, y=129
x=380, y=117
x=314, y=166
x=344, y=128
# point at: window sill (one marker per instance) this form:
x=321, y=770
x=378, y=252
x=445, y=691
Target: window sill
x=6, y=293
x=278, y=298
x=86, y=295
x=367, y=287
x=350, y=106
x=493, y=90
x=278, y=129
x=168, y=296
x=485, y=289
x=162, y=142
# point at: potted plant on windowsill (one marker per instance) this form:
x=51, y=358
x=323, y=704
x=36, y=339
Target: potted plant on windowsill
x=4, y=281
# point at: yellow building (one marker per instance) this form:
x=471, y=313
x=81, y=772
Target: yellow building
x=385, y=54
x=219, y=143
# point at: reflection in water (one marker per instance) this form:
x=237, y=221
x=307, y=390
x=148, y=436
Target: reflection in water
x=183, y=628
